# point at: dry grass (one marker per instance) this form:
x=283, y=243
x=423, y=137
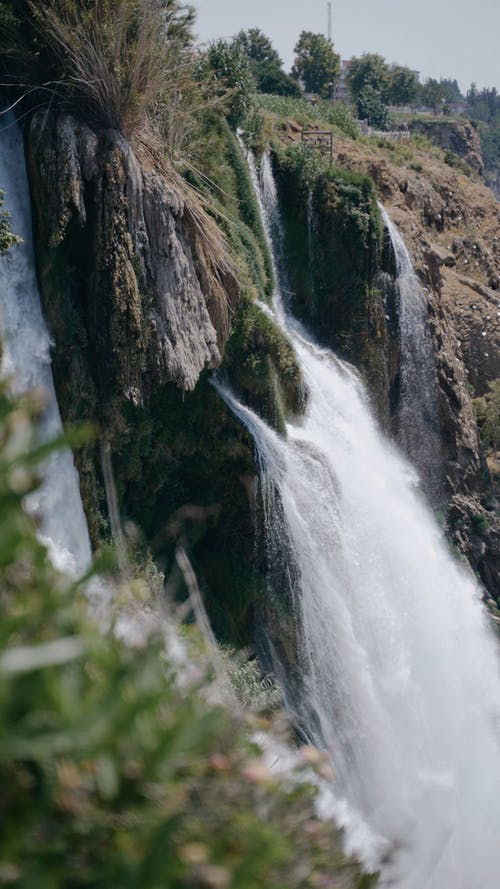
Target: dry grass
x=130, y=65
x=215, y=266
x=121, y=58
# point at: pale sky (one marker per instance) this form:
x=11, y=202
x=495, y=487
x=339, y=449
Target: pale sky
x=439, y=38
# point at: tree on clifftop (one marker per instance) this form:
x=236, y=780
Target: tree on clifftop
x=265, y=64
x=316, y=63
x=369, y=70
x=403, y=85
x=433, y=94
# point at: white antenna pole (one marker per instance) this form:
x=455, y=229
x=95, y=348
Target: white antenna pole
x=329, y=5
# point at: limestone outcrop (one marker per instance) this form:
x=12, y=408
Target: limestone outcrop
x=458, y=136
x=120, y=236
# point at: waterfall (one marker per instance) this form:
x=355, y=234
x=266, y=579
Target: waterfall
x=400, y=677
x=417, y=414
x=26, y=363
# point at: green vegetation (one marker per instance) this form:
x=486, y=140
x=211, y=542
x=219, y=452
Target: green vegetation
x=484, y=110
x=263, y=365
x=403, y=86
x=122, y=61
x=322, y=114
x=374, y=84
x=453, y=160
x=369, y=70
x=7, y=238
x=488, y=415
x=316, y=64
x=265, y=64
x=334, y=239
x=372, y=109
x=115, y=771
x=231, y=70
x=433, y=94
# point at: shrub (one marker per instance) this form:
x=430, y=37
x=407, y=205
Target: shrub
x=230, y=68
x=118, y=60
x=488, y=415
x=114, y=773
x=453, y=160
x=7, y=238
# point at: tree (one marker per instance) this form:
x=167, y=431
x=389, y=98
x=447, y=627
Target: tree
x=317, y=65
x=371, y=108
x=258, y=48
x=275, y=80
x=369, y=70
x=265, y=64
x=433, y=94
x=451, y=90
x=233, y=78
x=403, y=85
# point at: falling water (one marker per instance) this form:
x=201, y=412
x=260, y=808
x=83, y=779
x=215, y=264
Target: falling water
x=26, y=361
x=417, y=415
x=400, y=674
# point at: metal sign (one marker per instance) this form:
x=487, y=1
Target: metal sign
x=322, y=140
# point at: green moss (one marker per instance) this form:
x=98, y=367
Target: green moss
x=334, y=246
x=226, y=182
x=185, y=473
x=334, y=241
x=263, y=365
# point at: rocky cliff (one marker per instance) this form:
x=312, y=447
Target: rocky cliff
x=451, y=224
x=458, y=137
x=141, y=290
x=139, y=315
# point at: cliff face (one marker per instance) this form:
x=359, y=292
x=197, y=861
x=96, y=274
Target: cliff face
x=458, y=136
x=139, y=314
x=121, y=236
x=137, y=321
x=451, y=225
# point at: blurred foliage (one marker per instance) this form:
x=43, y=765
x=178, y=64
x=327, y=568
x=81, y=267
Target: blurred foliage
x=115, y=771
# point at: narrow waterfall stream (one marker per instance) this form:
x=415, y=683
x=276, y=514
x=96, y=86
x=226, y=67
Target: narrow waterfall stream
x=400, y=672
x=417, y=413
x=26, y=362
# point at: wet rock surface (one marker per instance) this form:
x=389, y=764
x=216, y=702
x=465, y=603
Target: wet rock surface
x=132, y=276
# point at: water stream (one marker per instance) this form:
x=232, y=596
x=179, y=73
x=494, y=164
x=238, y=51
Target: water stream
x=417, y=412
x=400, y=676
x=26, y=362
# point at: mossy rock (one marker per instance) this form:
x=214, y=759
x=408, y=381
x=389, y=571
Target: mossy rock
x=185, y=474
x=263, y=366
x=334, y=246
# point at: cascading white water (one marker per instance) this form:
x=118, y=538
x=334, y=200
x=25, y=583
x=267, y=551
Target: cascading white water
x=400, y=673
x=26, y=362
x=417, y=414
